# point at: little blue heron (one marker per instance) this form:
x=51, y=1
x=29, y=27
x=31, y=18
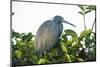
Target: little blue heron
x=48, y=34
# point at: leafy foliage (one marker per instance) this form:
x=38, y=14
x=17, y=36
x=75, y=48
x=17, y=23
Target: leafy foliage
x=85, y=10
x=66, y=51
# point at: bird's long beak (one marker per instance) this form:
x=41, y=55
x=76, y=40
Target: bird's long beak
x=69, y=23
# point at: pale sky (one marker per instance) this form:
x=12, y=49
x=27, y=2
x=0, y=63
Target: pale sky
x=29, y=16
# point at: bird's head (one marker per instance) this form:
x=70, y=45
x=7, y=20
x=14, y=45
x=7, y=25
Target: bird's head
x=60, y=19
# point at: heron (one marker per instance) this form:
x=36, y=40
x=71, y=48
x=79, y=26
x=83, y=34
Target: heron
x=49, y=33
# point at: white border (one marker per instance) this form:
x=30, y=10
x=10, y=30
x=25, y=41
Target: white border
x=5, y=33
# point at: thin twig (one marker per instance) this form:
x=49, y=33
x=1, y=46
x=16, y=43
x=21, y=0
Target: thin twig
x=93, y=24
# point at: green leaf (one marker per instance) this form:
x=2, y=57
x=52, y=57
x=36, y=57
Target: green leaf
x=53, y=52
x=70, y=32
x=81, y=7
x=64, y=49
x=80, y=12
x=64, y=38
x=73, y=58
x=68, y=58
x=80, y=59
x=87, y=11
x=27, y=37
x=31, y=44
x=43, y=61
x=85, y=33
x=91, y=7
x=15, y=34
x=73, y=34
x=18, y=54
x=34, y=59
x=20, y=43
x=69, y=43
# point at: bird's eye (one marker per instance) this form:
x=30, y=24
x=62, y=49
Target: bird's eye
x=62, y=20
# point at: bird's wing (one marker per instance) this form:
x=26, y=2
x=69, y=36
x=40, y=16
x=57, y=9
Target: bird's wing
x=46, y=37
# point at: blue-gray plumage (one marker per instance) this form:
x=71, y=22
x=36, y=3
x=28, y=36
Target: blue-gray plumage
x=48, y=34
